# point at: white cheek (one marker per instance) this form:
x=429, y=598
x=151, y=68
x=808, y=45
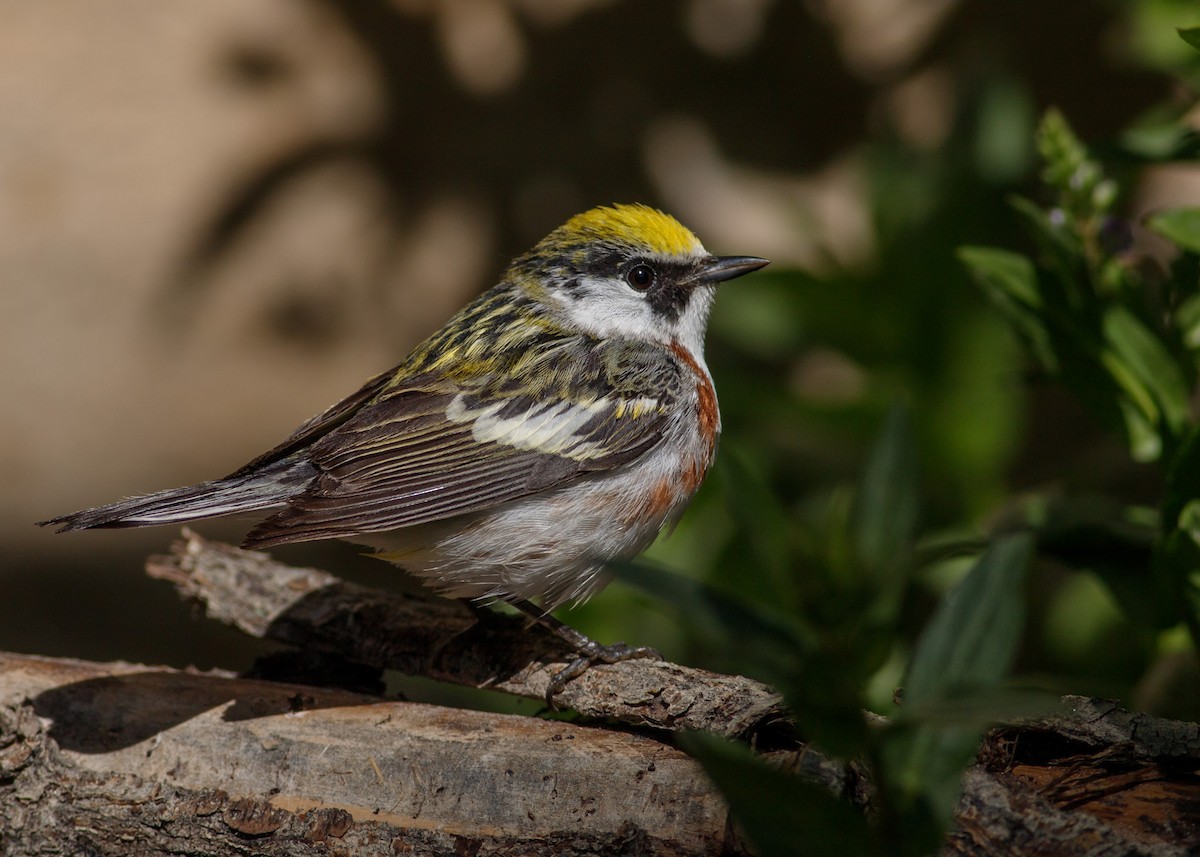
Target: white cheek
x=605, y=311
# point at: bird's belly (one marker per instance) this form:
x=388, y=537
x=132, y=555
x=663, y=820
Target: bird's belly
x=550, y=547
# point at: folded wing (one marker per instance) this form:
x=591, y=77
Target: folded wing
x=429, y=449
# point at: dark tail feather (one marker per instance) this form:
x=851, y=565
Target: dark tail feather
x=267, y=488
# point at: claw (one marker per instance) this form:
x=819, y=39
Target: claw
x=590, y=654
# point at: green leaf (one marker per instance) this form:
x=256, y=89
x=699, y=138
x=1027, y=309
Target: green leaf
x=971, y=638
x=1009, y=280
x=1181, y=225
x=1166, y=140
x=888, y=500
x=1187, y=320
x=1191, y=35
x=1141, y=425
x=1010, y=274
x=1177, y=575
x=1183, y=479
x=965, y=649
x=1189, y=520
x=1145, y=370
x=783, y=816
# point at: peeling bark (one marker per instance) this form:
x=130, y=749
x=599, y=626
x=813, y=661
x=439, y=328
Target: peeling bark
x=1095, y=782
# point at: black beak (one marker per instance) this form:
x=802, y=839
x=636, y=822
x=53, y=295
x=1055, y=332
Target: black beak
x=717, y=269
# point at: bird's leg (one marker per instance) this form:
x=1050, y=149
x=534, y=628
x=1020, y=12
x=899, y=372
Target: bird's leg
x=590, y=652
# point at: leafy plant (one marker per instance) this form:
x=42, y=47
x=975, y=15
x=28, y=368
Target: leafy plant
x=1124, y=341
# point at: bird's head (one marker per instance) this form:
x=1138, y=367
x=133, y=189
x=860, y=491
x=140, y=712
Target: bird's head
x=630, y=271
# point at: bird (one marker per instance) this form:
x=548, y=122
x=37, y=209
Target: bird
x=555, y=425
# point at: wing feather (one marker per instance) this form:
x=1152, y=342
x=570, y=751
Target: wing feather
x=429, y=449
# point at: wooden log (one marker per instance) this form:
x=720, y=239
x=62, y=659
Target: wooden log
x=117, y=759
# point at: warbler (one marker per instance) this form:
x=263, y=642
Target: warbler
x=555, y=424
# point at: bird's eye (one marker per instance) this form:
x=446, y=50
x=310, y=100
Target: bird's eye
x=641, y=277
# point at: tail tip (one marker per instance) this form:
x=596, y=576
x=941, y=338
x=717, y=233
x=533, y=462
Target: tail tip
x=80, y=521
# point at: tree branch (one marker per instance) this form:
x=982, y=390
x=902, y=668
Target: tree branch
x=444, y=640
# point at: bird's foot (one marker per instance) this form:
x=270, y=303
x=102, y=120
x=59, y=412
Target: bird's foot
x=591, y=653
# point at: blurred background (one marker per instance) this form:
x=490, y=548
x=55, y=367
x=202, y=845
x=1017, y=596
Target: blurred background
x=218, y=218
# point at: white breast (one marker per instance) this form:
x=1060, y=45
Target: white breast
x=552, y=547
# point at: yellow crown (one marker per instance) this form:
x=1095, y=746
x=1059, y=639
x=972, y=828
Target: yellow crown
x=631, y=225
